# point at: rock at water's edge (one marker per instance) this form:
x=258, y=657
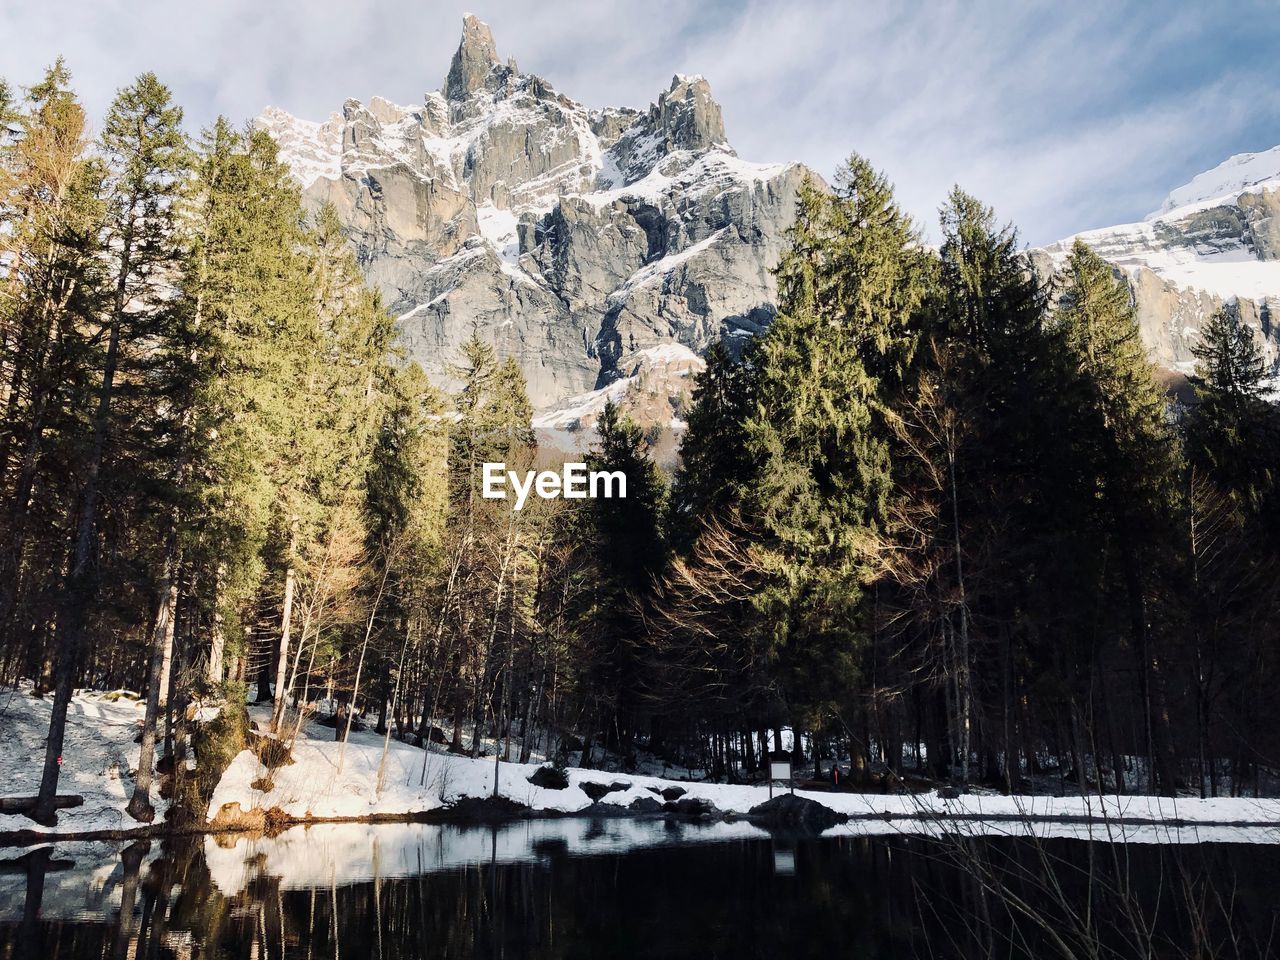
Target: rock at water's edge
x=797, y=813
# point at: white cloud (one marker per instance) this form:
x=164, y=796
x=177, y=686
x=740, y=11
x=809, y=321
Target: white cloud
x=1063, y=116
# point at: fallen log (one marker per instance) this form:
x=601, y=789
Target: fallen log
x=23, y=804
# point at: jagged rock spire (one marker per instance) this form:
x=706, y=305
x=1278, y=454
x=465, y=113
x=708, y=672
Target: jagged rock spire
x=477, y=55
x=689, y=115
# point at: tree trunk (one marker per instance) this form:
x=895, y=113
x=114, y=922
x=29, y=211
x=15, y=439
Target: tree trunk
x=218, y=644
x=964, y=688
x=78, y=592
x=282, y=657
x=140, y=807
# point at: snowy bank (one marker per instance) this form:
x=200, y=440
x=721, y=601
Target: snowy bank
x=99, y=758
x=100, y=755
x=415, y=782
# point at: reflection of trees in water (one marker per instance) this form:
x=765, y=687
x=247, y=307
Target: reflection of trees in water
x=1108, y=900
x=959, y=895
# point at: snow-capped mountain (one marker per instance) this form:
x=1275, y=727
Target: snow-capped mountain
x=576, y=239
x=1214, y=241
x=605, y=248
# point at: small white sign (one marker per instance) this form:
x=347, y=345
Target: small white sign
x=779, y=769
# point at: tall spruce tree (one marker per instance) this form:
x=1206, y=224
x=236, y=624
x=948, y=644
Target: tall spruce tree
x=53, y=277
x=624, y=537
x=492, y=425
x=1234, y=431
x=147, y=161
x=850, y=287
x=344, y=388
x=978, y=433
x=715, y=464
x=249, y=286
x=1127, y=441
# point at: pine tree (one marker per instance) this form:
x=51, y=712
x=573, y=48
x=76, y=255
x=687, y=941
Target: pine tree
x=1234, y=432
x=249, y=284
x=628, y=528
x=492, y=417
x=715, y=464
x=624, y=539
x=147, y=163
x=7, y=115
x=972, y=446
x=1126, y=440
x=850, y=288
x=50, y=244
x=342, y=386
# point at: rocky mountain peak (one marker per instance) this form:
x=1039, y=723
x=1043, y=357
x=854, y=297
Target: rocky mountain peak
x=690, y=119
x=477, y=54
x=586, y=243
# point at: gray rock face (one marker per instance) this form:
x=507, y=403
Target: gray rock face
x=477, y=55
x=585, y=243
x=574, y=239
x=1262, y=222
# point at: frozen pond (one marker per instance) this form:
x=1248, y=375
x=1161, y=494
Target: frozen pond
x=650, y=888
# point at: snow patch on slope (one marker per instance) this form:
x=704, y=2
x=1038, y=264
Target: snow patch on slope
x=685, y=172
x=99, y=757
x=573, y=414
x=1241, y=173
x=1226, y=273
x=660, y=269
x=311, y=150
x=498, y=227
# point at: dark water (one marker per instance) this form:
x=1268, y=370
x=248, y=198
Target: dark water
x=652, y=889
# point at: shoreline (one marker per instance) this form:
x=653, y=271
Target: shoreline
x=275, y=821
x=374, y=780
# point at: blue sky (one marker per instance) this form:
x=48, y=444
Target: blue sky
x=1064, y=115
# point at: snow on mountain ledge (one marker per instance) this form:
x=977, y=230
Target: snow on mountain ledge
x=656, y=391
x=1242, y=172
x=311, y=150
x=1214, y=243
x=1229, y=271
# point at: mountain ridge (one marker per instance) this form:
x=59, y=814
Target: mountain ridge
x=582, y=240
x=1214, y=243
x=574, y=238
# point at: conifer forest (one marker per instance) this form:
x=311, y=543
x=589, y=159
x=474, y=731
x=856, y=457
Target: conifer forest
x=942, y=520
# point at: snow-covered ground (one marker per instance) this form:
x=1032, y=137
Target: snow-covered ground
x=100, y=753
x=415, y=781
x=99, y=756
